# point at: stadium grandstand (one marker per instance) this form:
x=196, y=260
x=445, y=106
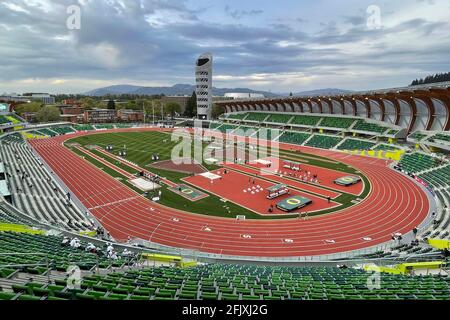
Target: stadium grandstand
x=70, y=199
x=71, y=203
x=63, y=213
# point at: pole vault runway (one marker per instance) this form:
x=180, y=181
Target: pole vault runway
x=394, y=204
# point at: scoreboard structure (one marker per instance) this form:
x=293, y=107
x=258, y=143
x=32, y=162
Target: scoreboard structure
x=347, y=180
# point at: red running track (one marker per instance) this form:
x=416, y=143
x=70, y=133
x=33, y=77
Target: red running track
x=395, y=204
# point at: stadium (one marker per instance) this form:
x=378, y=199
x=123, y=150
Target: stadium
x=319, y=197
x=372, y=187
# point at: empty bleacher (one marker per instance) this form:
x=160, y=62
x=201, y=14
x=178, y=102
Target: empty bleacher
x=305, y=120
x=214, y=125
x=386, y=147
x=63, y=130
x=336, y=122
x=323, y=141
x=241, y=282
x=418, y=136
x=256, y=116
x=84, y=127
x=245, y=131
x=104, y=126
x=362, y=125
x=294, y=137
x=237, y=116
x=227, y=128
x=440, y=138
x=4, y=120
x=47, y=132
x=354, y=144
x=416, y=162
x=51, y=253
x=35, y=192
x=123, y=125
x=279, y=118
x=438, y=178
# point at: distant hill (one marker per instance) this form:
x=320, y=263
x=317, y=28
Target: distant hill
x=323, y=92
x=176, y=90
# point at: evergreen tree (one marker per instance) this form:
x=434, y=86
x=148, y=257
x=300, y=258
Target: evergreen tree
x=191, y=106
x=111, y=104
x=438, y=77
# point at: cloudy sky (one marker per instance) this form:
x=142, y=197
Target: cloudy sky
x=279, y=46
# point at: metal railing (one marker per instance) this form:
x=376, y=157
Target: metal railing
x=45, y=264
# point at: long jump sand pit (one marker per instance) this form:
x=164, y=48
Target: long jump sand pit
x=186, y=167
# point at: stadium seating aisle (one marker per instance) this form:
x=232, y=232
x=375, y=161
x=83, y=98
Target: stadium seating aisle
x=34, y=191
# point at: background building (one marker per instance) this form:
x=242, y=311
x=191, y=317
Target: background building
x=203, y=78
x=100, y=116
x=45, y=98
x=128, y=115
x=239, y=95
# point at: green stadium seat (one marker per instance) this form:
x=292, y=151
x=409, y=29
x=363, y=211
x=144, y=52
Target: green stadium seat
x=82, y=296
x=7, y=295
x=190, y=295
x=95, y=294
x=227, y=296
x=28, y=297
x=138, y=297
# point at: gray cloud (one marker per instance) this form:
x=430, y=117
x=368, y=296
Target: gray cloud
x=239, y=14
x=155, y=41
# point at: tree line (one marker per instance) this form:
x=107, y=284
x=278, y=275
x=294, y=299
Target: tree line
x=438, y=77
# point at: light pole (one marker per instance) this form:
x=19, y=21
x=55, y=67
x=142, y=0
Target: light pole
x=143, y=111
x=153, y=107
